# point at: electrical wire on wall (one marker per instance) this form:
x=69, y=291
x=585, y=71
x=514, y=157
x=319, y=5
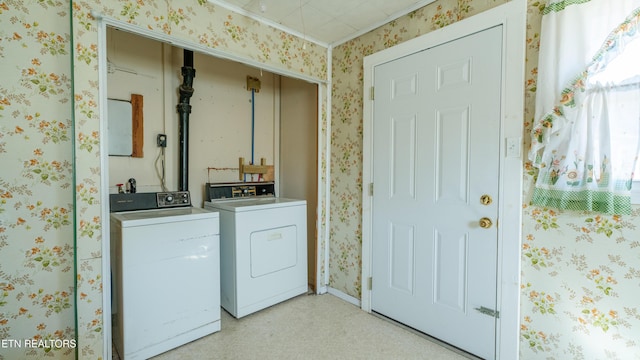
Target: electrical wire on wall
x=161, y=172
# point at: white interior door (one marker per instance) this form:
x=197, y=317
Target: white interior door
x=436, y=174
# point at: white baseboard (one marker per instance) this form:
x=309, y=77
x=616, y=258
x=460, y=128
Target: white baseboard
x=346, y=297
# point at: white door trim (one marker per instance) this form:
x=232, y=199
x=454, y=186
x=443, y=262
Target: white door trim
x=512, y=16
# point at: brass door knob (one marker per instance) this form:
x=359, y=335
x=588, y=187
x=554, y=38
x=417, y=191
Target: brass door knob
x=486, y=199
x=485, y=223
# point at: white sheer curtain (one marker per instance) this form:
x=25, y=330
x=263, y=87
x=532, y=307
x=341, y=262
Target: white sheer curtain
x=585, y=138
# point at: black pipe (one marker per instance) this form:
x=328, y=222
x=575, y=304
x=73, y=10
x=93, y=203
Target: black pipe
x=184, y=109
x=188, y=58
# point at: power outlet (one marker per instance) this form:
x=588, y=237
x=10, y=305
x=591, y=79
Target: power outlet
x=162, y=140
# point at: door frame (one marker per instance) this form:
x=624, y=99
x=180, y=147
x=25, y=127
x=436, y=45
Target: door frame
x=512, y=16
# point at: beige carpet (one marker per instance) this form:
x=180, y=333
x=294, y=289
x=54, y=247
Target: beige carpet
x=311, y=327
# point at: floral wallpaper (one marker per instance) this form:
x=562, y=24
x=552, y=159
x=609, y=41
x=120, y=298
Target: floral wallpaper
x=580, y=274
x=50, y=191
x=36, y=182
x=580, y=271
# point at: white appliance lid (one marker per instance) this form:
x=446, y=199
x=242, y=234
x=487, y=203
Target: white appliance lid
x=148, y=217
x=252, y=204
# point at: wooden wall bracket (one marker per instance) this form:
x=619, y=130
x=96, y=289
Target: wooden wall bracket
x=262, y=169
x=137, y=125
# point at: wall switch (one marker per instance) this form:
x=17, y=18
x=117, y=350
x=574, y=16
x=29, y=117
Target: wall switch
x=513, y=147
x=162, y=140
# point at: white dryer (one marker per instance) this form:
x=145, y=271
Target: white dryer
x=263, y=246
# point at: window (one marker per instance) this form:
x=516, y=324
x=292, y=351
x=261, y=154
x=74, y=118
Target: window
x=623, y=72
x=586, y=137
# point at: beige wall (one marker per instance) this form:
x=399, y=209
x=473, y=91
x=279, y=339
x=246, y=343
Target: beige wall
x=299, y=155
x=138, y=68
x=219, y=123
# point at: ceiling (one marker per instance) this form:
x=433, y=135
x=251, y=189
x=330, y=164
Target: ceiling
x=324, y=21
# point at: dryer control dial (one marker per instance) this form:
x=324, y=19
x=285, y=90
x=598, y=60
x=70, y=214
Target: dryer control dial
x=173, y=199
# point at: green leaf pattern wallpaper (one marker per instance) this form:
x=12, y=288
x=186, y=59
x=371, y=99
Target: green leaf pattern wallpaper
x=580, y=271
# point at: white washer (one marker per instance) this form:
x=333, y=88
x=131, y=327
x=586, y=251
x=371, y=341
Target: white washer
x=165, y=266
x=263, y=252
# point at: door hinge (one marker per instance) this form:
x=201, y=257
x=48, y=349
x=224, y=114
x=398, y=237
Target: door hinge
x=372, y=93
x=487, y=311
x=370, y=283
x=370, y=189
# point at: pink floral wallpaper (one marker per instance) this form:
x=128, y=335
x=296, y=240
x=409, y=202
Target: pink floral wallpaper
x=580, y=274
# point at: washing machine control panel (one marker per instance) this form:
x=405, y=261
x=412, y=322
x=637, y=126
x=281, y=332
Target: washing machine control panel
x=173, y=199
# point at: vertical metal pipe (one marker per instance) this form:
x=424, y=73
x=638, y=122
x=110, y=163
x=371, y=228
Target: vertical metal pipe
x=188, y=58
x=184, y=146
x=184, y=109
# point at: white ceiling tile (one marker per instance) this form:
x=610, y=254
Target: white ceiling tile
x=279, y=10
x=331, y=31
x=325, y=20
x=239, y=3
x=315, y=16
x=361, y=17
x=253, y=6
x=312, y=18
x=334, y=7
x=390, y=7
